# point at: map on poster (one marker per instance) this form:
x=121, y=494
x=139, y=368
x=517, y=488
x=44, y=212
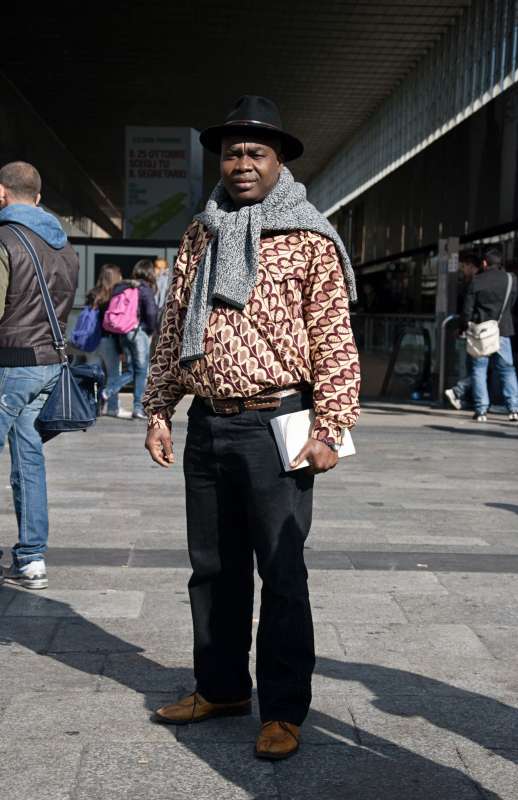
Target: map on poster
x=164, y=175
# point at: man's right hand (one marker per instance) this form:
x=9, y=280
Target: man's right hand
x=160, y=446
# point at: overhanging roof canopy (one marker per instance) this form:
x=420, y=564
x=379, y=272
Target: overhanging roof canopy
x=328, y=64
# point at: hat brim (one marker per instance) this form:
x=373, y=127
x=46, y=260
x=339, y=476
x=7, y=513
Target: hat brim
x=210, y=138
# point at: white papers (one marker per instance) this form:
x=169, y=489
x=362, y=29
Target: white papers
x=292, y=431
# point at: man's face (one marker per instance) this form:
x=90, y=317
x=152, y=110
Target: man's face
x=249, y=170
x=468, y=271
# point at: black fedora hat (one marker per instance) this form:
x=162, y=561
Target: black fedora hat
x=252, y=113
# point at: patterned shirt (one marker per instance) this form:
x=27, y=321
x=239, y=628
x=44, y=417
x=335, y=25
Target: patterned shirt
x=295, y=328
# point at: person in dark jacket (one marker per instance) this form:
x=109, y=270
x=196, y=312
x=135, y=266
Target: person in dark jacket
x=484, y=301
x=29, y=363
x=135, y=344
x=460, y=395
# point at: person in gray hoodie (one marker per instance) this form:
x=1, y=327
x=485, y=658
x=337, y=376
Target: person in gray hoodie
x=29, y=363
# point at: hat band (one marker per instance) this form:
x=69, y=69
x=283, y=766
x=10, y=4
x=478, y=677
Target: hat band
x=252, y=122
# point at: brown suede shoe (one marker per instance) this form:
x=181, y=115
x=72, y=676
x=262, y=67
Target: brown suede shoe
x=195, y=708
x=277, y=740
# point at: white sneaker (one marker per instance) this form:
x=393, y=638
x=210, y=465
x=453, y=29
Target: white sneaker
x=453, y=399
x=480, y=417
x=31, y=576
x=513, y=416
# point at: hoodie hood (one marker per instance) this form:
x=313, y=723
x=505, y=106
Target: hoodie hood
x=45, y=225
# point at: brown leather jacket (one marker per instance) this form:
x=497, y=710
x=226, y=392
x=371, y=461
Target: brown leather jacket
x=25, y=335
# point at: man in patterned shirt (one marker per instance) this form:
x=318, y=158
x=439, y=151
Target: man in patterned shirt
x=256, y=325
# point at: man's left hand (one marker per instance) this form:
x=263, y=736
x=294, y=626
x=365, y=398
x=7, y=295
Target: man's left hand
x=321, y=458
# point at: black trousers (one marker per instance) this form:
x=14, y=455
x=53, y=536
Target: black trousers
x=240, y=502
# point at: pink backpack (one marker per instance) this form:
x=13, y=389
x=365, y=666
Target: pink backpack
x=121, y=316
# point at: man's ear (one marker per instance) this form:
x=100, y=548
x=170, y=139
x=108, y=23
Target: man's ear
x=38, y=199
x=2, y=194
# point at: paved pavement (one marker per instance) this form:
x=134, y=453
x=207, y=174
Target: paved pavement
x=413, y=563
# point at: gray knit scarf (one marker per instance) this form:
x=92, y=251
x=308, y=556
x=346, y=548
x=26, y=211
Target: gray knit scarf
x=228, y=270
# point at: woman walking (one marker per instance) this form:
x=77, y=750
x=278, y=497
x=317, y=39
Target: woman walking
x=136, y=342
x=108, y=352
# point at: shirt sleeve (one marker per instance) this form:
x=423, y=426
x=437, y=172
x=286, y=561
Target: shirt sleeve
x=4, y=277
x=164, y=388
x=334, y=357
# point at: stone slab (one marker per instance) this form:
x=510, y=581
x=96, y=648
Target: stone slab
x=146, y=672
x=121, y=636
x=495, y=768
x=37, y=771
x=90, y=717
x=362, y=582
x=31, y=634
x=500, y=640
x=174, y=771
x=385, y=674
x=121, y=578
x=340, y=772
x=365, y=608
x=89, y=603
x=423, y=723
x=439, y=640
x=436, y=541
x=32, y=672
x=459, y=609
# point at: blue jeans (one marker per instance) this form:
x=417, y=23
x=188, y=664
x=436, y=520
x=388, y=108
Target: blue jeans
x=23, y=392
x=108, y=354
x=135, y=346
x=503, y=364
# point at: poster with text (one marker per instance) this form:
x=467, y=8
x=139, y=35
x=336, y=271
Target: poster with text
x=164, y=174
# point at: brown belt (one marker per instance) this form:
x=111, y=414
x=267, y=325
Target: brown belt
x=235, y=405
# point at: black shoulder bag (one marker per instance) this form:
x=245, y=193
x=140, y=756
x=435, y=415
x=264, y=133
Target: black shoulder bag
x=68, y=407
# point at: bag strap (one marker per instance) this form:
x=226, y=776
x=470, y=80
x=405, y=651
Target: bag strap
x=507, y=295
x=57, y=336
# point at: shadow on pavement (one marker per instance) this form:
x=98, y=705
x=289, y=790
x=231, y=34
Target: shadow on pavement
x=479, y=431
x=357, y=765
x=504, y=507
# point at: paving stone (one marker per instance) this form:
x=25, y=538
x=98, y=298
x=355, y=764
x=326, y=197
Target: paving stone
x=90, y=603
x=382, y=674
x=146, y=672
x=360, y=608
x=37, y=771
x=204, y=771
x=330, y=582
x=426, y=722
x=121, y=636
x=339, y=772
x=31, y=672
x=437, y=540
x=453, y=675
x=327, y=640
x=500, y=640
x=470, y=610
x=441, y=640
x=108, y=717
x=496, y=769
x=469, y=583
x=156, y=579
x=26, y=635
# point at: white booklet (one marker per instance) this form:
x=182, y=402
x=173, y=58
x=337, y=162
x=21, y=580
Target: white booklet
x=292, y=431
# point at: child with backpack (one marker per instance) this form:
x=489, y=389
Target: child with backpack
x=89, y=336
x=132, y=316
